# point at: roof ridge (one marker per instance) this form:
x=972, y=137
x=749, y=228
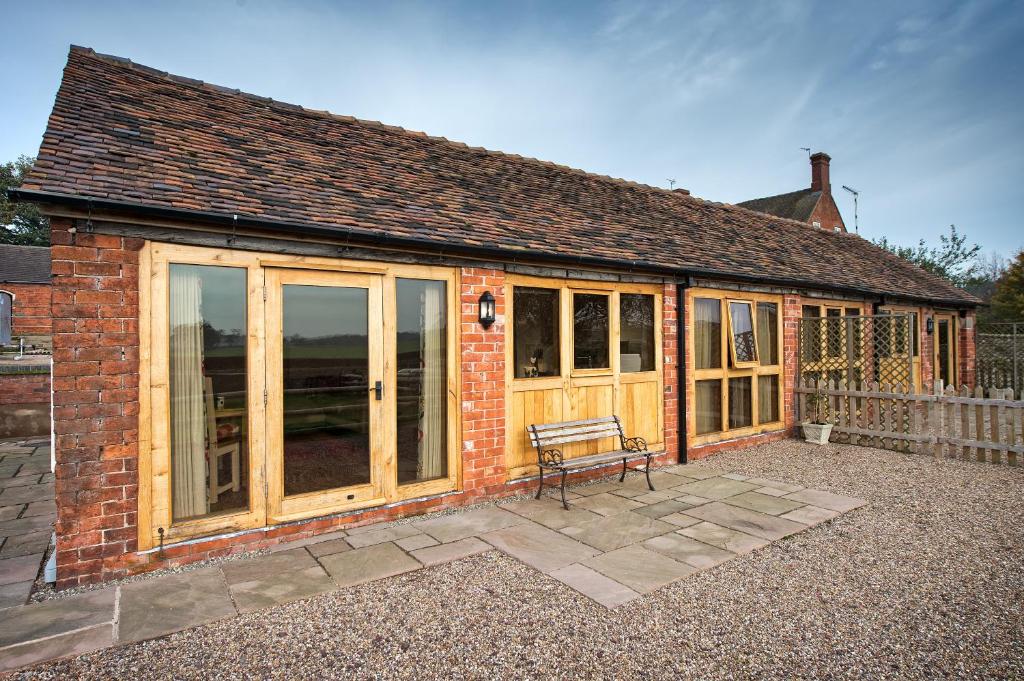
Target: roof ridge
x=807, y=190
x=124, y=62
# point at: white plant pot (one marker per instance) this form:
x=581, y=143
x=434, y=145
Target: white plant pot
x=817, y=433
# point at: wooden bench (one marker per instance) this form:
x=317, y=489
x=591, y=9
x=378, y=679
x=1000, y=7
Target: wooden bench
x=550, y=458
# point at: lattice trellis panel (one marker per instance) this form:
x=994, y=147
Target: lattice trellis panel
x=855, y=350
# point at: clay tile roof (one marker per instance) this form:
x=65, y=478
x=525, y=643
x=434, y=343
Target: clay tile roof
x=795, y=205
x=128, y=133
x=24, y=264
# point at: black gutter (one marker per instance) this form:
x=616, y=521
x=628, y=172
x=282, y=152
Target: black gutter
x=363, y=237
x=681, y=430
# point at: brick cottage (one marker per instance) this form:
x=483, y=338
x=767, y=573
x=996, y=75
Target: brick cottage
x=271, y=323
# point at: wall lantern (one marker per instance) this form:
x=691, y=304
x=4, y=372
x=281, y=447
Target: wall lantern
x=929, y=325
x=486, y=309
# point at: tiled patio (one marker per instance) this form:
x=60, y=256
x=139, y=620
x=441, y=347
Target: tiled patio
x=27, y=513
x=617, y=542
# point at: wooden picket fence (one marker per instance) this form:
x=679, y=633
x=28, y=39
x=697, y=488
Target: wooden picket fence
x=963, y=424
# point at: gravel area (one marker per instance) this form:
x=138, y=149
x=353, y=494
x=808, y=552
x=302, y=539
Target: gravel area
x=924, y=582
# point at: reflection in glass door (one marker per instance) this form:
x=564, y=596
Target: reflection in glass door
x=945, y=349
x=325, y=383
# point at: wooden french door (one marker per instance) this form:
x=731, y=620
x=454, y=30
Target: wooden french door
x=946, y=348
x=325, y=392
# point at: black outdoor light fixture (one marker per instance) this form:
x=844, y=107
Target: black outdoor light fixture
x=929, y=325
x=486, y=309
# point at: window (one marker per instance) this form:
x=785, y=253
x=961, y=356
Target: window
x=422, y=380
x=535, y=332
x=742, y=340
x=834, y=341
x=590, y=331
x=737, y=374
x=6, y=313
x=707, y=313
x=636, y=332
x=208, y=378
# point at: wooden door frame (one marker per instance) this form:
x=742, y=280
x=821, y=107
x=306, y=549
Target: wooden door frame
x=954, y=345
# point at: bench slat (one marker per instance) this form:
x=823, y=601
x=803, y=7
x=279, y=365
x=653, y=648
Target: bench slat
x=566, y=424
x=576, y=438
x=593, y=459
x=582, y=431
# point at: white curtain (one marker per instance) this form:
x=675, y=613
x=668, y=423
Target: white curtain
x=188, y=449
x=433, y=454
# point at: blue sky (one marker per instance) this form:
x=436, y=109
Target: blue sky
x=918, y=103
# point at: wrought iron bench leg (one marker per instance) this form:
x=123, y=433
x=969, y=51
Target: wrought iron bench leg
x=564, y=504
x=541, y=481
x=623, y=476
x=647, y=470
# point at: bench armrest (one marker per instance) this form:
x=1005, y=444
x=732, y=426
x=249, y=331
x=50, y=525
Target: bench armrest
x=551, y=457
x=635, y=444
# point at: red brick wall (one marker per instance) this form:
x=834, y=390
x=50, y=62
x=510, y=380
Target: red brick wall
x=95, y=384
x=24, y=388
x=826, y=214
x=31, y=311
x=670, y=353
x=967, y=354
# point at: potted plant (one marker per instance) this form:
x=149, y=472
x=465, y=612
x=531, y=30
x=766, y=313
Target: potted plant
x=817, y=430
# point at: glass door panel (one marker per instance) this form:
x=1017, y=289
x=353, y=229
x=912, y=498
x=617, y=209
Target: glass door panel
x=325, y=391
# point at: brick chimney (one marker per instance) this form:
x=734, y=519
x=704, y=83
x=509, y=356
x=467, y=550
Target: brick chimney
x=819, y=173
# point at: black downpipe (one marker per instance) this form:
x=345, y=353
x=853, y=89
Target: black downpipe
x=681, y=369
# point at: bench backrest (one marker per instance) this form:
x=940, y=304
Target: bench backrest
x=549, y=434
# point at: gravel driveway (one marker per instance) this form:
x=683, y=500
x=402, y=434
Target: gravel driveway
x=925, y=581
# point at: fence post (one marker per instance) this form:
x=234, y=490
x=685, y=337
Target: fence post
x=1016, y=370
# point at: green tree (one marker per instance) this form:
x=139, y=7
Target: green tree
x=1007, y=303
x=953, y=258
x=20, y=223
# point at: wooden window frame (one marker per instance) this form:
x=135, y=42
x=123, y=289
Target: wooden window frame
x=727, y=370
x=919, y=330
x=519, y=466
x=154, y=507
x=824, y=305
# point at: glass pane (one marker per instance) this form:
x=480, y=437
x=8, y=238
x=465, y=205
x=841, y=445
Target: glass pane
x=834, y=331
x=209, y=410
x=422, y=436
x=590, y=331
x=535, y=332
x=742, y=328
x=740, y=403
x=768, y=333
x=767, y=399
x=855, y=325
x=900, y=329
x=326, y=388
x=916, y=331
x=943, y=332
x=709, y=406
x=707, y=333
x=883, y=334
x=636, y=328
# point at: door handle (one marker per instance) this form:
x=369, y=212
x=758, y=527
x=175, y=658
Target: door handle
x=378, y=389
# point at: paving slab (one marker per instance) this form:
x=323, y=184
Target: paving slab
x=724, y=537
x=764, y=503
x=638, y=568
x=833, y=502
x=19, y=481
x=596, y=488
x=539, y=547
x=457, y=526
x=752, y=522
x=613, y=532
x=694, y=553
x=292, y=585
x=775, y=484
x=26, y=544
x=326, y=548
x=308, y=541
x=14, y=594
x=679, y=519
x=810, y=515
x=71, y=644
x=606, y=504
x=774, y=491
x=417, y=541
x=58, y=616
x=550, y=513
x=267, y=567
x=10, y=512
x=27, y=494
x=735, y=476
x=20, y=569
x=693, y=499
x=446, y=553
x=368, y=564
x=358, y=541
x=663, y=508
x=716, y=488
x=41, y=508
x=655, y=497
x=629, y=492
x=163, y=605
x=699, y=472
x=25, y=525
x=594, y=585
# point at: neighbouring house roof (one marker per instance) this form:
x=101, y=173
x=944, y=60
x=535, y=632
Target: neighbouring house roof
x=24, y=264
x=795, y=205
x=130, y=135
